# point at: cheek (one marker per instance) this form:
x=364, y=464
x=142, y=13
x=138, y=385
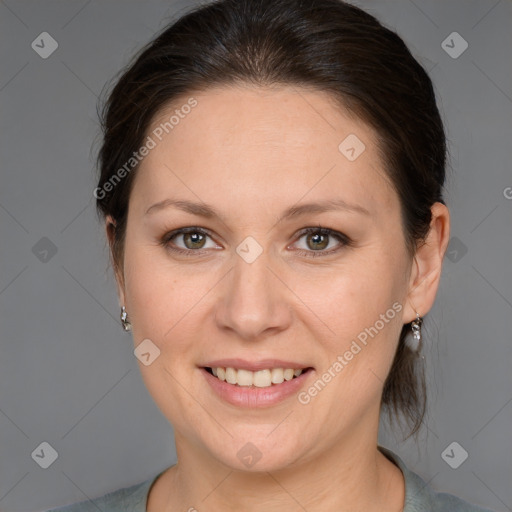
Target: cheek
x=165, y=301
x=145, y=285
x=357, y=311
x=151, y=293
x=160, y=301
x=347, y=299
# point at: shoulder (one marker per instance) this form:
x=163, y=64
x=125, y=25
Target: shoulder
x=127, y=499
x=443, y=502
x=420, y=497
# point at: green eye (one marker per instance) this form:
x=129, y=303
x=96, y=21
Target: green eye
x=194, y=240
x=318, y=239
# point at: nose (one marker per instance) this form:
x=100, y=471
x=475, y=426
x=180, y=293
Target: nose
x=254, y=302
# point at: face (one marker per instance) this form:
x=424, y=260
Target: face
x=259, y=281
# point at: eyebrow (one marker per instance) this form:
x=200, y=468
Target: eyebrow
x=207, y=211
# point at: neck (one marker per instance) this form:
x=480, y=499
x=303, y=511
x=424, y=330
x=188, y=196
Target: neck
x=352, y=475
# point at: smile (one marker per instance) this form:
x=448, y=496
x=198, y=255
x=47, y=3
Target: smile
x=261, y=379
x=264, y=387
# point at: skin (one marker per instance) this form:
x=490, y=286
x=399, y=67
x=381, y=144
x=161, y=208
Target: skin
x=251, y=153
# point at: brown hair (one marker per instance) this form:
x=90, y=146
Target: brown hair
x=328, y=45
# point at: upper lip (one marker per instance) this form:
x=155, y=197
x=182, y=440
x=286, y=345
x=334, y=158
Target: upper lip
x=253, y=366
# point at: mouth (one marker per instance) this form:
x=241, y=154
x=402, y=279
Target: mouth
x=264, y=378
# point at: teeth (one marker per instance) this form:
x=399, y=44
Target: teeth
x=288, y=374
x=277, y=375
x=243, y=378
x=260, y=378
x=231, y=376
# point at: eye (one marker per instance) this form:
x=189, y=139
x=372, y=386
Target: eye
x=317, y=239
x=193, y=238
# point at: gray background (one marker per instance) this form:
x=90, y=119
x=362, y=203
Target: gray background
x=68, y=375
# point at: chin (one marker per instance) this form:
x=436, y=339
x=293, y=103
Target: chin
x=259, y=453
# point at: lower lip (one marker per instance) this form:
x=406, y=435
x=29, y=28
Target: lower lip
x=253, y=397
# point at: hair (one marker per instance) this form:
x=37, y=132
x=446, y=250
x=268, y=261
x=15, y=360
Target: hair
x=327, y=45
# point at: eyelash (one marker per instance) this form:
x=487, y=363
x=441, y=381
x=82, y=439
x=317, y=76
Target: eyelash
x=344, y=240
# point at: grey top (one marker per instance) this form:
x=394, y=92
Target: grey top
x=419, y=497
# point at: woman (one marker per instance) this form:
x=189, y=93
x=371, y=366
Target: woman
x=271, y=185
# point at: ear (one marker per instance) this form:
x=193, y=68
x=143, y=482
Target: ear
x=110, y=228
x=427, y=265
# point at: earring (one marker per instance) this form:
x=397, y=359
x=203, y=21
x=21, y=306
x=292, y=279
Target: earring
x=415, y=344
x=127, y=326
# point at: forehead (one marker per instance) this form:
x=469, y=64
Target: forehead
x=264, y=140
x=245, y=116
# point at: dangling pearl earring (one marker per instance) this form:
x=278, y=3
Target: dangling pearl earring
x=127, y=326
x=416, y=343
